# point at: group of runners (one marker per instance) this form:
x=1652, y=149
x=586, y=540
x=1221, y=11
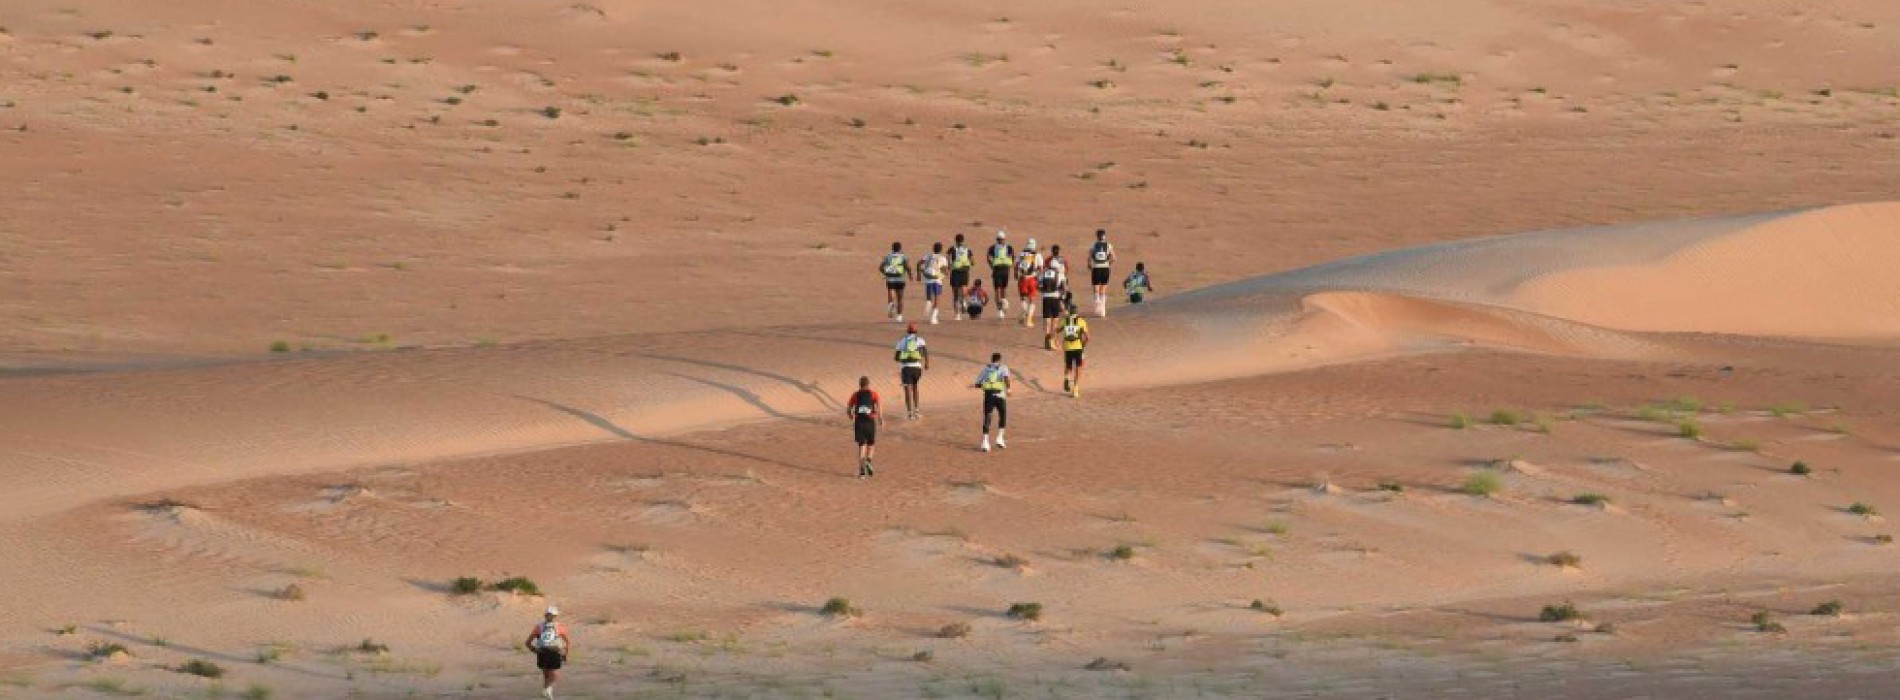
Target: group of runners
x=1042, y=285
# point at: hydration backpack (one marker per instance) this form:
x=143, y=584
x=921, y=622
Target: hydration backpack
x=1051, y=280
x=893, y=265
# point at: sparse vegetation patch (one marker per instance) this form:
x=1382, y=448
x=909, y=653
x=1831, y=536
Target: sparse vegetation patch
x=1029, y=612
x=1563, y=612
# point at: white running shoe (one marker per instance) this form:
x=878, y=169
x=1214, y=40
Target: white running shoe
x=1000, y=444
x=899, y=318
x=933, y=317
x=985, y=447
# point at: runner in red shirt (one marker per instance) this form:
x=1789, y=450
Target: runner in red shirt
x=866, y=414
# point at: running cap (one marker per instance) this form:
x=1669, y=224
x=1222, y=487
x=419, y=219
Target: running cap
x=1032, y=244
x=1001, y=234
x=552, y=611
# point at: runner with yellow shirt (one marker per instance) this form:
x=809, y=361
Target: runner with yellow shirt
x=1075, y=337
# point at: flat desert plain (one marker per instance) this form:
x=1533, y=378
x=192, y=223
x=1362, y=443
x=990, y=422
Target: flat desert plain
x=1502, y=348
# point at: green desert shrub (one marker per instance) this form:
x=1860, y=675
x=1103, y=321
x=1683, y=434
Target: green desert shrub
x=840, y=607
x=1565, y=559
x=1484, y=484
x=1800, y=469
x=517, y=585
x=201, y=668
x=1831, y=608
x=1025, y=611
x=1563, y=612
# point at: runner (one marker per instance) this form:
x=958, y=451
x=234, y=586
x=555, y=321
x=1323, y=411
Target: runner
x=960, y=262
x=1138, y=285
x=549, y=643
x=867, y=413
x=895, y=270
x=993, y=381
x=912, y=359
x=976, y=300
x=930, y=269
x=1075, y=337
x=1051, y=283
x=1001, y=257
x=1101, y=257
x=1028, y=263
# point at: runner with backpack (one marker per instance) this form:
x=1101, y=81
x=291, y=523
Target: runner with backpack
x=960, y=263
x=912, y=359
x=993, y=381
x=1138, y=286
x=866, y=413
x=896, y=271
x=549, y=643
x=1001, y=257
x=1051, y=282
x=976, y=300
x=1075, y=337
x=1028, y=264
x=1101, y=258
x=931, y=270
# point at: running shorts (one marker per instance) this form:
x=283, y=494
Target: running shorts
x=960, y=278
x=1052, y=307
x=1000, y=275
x=1026, y=287
x=894, y=285
x=1071, y=359
x=1098, y=275
x=1134, y=298
x=549, y=659
x=911, y=375
x=864, y=430
x=933, y=289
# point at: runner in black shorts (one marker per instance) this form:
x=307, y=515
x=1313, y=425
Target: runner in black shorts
x=1101, y=259
x=993, y=381
x=1001, y=257
x=960, y=264
x=912, y=359
x=896, y=271
x=866, y=414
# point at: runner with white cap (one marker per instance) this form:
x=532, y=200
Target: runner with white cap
x=549, y=643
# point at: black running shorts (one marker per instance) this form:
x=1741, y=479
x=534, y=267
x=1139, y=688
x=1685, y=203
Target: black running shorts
x=1071, y=359
x=1051, y=307
x=960, y=278
x=1098, y=275
x=865, y=430
x=549, y=659
x=911, y=375
x=894, y=285
x=1000, y=275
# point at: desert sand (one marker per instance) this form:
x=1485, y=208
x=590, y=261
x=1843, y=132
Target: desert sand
x=1471, y=314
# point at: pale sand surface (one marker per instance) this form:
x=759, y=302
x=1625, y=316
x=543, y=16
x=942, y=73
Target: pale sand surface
x=594, y=351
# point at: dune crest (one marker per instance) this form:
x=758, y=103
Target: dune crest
x=1823, y=273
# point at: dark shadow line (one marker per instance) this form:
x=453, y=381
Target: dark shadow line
x=610, y=428
x=808, y=388
x=200, y=652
